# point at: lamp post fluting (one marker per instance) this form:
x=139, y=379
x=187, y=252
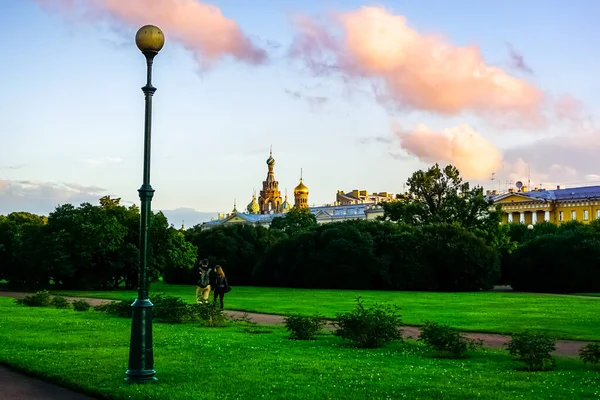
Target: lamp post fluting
x=150, y=40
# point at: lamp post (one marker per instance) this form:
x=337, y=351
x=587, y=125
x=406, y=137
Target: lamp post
x=150, y=40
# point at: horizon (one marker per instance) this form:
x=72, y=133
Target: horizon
x=356, y=95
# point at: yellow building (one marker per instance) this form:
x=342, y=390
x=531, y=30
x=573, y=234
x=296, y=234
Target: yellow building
x=362, y=197
x=556, y=206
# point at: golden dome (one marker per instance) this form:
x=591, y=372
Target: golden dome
x=253, y=207
x=301, y=188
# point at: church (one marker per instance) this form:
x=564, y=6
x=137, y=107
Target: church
x=357, y=204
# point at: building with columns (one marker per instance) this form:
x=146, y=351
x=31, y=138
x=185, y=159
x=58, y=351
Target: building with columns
x=557, y=206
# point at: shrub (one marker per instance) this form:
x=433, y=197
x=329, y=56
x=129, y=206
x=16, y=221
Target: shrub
x=369, y=327
x=60, y=302
x=303, y=328
x=533, y=349
x=39, y=299
x=119, y=308
x=170, y=309
x=447, y=341
x=209, y=313
x=81, y=305
x=564, y=262
x=590, y=353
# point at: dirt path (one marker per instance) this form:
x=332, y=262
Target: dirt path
x=568, y=348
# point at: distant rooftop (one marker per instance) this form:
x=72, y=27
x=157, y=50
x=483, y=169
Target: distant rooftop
x=576, y=193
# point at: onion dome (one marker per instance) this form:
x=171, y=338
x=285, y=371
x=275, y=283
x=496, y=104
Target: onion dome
x=253, y=207
x=301, y=188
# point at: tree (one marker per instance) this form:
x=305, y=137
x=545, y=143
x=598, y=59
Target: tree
x=441, y=196
x=295, y=221
x=21, y=248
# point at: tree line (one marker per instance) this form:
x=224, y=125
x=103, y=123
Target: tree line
x=442, y=235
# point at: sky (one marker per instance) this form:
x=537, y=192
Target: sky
x=356, y=94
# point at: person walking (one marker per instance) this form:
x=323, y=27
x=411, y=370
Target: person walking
x=203, y=285
x=221, y=285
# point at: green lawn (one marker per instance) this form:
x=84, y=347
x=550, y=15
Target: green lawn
x=565, y=317
x=89, y=351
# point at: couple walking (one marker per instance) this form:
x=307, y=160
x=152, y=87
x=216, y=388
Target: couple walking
x=214, y=279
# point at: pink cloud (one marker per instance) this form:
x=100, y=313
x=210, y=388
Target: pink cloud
x=423, y=72
x=200, y=28
x=462, y=146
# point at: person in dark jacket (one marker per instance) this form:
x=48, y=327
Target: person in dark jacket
x=203, y=284
x=221, y=286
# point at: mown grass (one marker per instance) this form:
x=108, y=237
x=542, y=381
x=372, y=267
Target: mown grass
x=88, y=351
x=565, y=317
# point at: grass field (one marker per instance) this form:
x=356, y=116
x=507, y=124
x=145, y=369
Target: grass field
x=89, y=351
x=566, y=317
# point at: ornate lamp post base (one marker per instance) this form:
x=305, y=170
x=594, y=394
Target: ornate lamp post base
x=141, y=355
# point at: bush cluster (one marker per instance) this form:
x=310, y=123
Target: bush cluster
x=369, y=327
x=533, y=349
x=447, y=341
x=38, y=299
x=60, y=302
x=303, y=327
x=170, y=309
x=81, y=305
x=590, y=353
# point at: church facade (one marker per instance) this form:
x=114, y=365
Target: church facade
x=269, y=204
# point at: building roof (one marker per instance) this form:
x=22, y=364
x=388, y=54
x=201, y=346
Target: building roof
x=578, y=193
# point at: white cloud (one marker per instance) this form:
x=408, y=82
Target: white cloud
x=42, y=197
x=102, y=160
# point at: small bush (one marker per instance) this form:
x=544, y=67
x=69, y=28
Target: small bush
x=81, y=305
x=210, y=314
x=533, y=349
x=39, y=299
x=170, y=309
x=119, y=308
x=369, y=327
x=447, y=341
x=590, y=353
x=60, y=302
x=303, y=328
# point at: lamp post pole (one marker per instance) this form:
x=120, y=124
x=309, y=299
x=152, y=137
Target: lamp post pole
x=149, y=40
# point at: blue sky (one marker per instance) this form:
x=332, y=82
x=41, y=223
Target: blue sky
x=71, y=113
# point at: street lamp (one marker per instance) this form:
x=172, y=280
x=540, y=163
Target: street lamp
x=149, y=39
x=530, y=227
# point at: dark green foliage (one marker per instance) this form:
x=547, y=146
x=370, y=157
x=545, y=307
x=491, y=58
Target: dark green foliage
x=534, y=349
x=60, y=302
x=170, y=309
x=590, y=353
x=81, y=305
x=563, y=262
x=303, y=327
x=447, y=341
x=295, y=222
x=369, y=327
x=381, y=255
x=210, y=314
x=440, y=196
x=38, y=299
x=237, y=248
x=118, y=308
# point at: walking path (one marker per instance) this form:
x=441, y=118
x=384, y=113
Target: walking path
x=15, y=386
x=568, y=348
